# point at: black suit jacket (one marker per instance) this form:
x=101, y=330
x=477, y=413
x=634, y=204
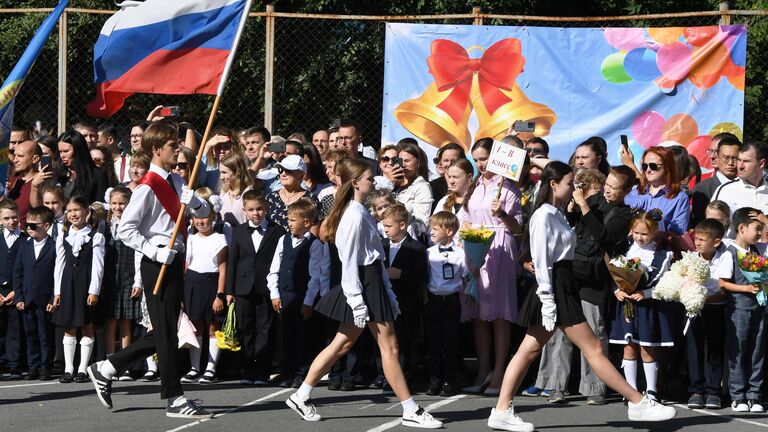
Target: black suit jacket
x=413, y=263
x=247, y=268
x=33, y=277
x=7, y=260
x=702, y=195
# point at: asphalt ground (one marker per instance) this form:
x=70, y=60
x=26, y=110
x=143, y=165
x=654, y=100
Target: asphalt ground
x=50, y=406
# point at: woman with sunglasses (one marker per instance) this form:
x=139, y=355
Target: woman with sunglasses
x=659, y=188
x=291, y=171
x=220, y=145
x=386, y=154
x=184, y=164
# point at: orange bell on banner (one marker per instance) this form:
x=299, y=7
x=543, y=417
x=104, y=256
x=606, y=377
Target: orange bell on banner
x=425, y=118
x=495, y=123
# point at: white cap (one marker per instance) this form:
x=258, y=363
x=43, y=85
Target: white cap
x=293, y=163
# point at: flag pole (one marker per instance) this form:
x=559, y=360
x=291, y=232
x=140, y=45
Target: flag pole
x=206, y=135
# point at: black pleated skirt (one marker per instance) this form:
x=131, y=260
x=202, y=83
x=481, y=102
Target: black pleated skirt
x=334, y=303
x=199, y=294
x=567, y=300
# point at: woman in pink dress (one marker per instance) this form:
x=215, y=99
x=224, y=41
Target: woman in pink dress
x=495, y=308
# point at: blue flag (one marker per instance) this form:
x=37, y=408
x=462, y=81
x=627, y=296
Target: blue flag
x=13, y=83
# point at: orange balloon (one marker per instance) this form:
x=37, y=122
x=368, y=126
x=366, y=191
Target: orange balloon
x=738, y=81
x=731, y=69
x=681, y=128
x=704, y=81
x=665, y=35
x=699, y=36
x=709, y=59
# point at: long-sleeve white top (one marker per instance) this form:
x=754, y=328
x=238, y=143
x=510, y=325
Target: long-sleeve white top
x=551, y=240
x=97, y=265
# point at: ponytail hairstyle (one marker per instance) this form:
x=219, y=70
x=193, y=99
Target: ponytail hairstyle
x=81, y=201
x=649, y=218
x=98, y=215
x=466, y=166
x=347, y=170
x=487, y=145
x=554, y=171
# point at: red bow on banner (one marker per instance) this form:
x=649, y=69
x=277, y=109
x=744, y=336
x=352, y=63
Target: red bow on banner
x=497, y=69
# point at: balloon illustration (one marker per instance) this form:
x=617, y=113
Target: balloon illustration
x=739, y=50
x=612, y=68
x=698, y=148
x=674, y=60
x=665, y=35
x=681, y=128
x=625, y=38
x=640, y=64
x=699, y=36
x=647, y=128
x=726, y=127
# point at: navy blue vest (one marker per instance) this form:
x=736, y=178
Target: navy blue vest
x=294, y=267
x=745, y=301
x=8, y=259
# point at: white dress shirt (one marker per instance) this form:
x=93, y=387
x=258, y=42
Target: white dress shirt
x=646, y=254
x=552, y=240
x=738, y=194
x=417, y=199
x=145, y=225
x=359, y=244
x=38, y=246
x=277, y=259
x=442, y=281
x=203, y=252
x=319, y=272
x=394, y=248
x=11, y=236
x=97, y=265
x=124, y=167
x=257, y=236
x=720, y=267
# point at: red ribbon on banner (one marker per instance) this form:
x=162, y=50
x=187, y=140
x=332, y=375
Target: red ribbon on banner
x=497, y=70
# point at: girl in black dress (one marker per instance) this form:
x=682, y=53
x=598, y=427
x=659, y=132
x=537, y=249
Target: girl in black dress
x=77, y=282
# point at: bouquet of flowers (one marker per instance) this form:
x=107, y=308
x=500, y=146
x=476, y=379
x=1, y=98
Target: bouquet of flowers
x=684, y=283
x=755, y=268
x=226, y=338
x=626, y=273
x=477, y=243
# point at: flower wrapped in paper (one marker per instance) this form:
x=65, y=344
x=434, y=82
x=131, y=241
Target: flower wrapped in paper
x=477, y=243
x=226, y=338
x=684, y=283
x=754, y=267
x=626, y=274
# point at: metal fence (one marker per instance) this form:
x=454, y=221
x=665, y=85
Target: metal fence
x=297, y=72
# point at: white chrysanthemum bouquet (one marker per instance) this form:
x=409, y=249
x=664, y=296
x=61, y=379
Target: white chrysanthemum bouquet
x=684, y=283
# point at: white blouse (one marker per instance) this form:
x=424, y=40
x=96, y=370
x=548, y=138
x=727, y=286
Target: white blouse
x=551, y=240
x=359, y=244
x=203, y=252
x=97, y=265
x=417, y=199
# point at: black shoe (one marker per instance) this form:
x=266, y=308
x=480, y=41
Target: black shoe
x=433, y=389
x=66, y=378
x=286, y=383
x=334, y=384
x=347, y=386
x=45, y=375
x=102, y=384
x=32, y=375
x=81, y=378
x=297, y=382
x=149, y=376
x=447, y=390
x=187, y=410
x=15, y=374
x=377, y=383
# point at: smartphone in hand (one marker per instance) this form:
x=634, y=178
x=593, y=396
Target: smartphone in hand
x=625, y=142
x=169, y=111
x=524, y=126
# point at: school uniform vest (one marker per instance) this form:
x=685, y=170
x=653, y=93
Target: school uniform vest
x=335, y=264
x=294, y=267
x=77, y=270
x=745, y=301
x=7, y=260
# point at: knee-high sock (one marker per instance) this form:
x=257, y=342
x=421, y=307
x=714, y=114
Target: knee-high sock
x=651, y=370
x=151, y=364
x=86, y=347
x=194, y=354
x=630, y=372
x=213, y=354
x=69, y=343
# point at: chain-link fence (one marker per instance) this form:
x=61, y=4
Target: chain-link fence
x=325, y=67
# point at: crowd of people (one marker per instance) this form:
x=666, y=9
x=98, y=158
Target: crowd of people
x=315, y=240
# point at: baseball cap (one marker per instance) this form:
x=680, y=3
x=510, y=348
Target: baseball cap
x=292, y=163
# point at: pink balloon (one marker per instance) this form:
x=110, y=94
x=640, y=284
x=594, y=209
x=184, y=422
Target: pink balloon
x=698, y=149
x=625, y=38
x=647, y=128
x=674, y=60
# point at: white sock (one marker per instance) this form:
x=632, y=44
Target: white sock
x=86, y=347
x=107, y=369
x=181, y=400
x=194, y=354
x=151, y=364
x=69, y=343
x=409, y=405
x=304, y=391
x=630, y=372
x=651, y=370
x=213, y=354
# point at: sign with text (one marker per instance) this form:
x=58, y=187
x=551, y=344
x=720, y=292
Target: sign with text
x=506, y=160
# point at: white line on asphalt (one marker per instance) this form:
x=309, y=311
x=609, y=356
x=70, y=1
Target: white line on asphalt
x=434, y=406
x=701, y=411
x=366, y=406
x=29, y=385
x=393, y=406
x=231, y=410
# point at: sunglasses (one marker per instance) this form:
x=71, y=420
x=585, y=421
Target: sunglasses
x=33, y=226
x=652, y=166
x=181, y=165
x=281, y=170
x=385, y=159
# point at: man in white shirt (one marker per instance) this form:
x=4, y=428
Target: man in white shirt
x=146, y=227
x=749, y=189
x=727, y=152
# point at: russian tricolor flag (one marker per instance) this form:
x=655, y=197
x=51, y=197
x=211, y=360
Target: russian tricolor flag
x=166, y=47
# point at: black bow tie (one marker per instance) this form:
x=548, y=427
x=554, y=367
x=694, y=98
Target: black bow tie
x=251, y=229
x=445, y=249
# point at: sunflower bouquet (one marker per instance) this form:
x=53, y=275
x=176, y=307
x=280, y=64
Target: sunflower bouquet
x=477, y=243
x=226, y=338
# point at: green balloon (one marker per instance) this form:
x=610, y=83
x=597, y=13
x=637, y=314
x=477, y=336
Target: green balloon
x=612, y=69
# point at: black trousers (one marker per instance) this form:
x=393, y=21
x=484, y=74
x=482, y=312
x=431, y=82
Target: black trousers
x=296, y=334
x=10, y=336
x=162, y=339
x=442, y=315
x=707, y=329
x=255, y=317
x=39, y=333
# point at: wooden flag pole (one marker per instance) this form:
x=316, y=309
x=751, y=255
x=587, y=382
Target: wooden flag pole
x=190, y=185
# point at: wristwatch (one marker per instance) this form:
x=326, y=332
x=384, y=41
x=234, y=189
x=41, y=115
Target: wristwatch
x=221, y=296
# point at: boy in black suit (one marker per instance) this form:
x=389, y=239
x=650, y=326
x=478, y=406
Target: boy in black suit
x=33, y=286
x=250, y=255
x=406, y=262
x=10, y=317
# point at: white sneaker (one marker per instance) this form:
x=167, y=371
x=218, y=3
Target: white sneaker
x=508, y=421
x=421, y=419
x=650, y=410
x=756, y=407
x=739, y=406
x=304, y=408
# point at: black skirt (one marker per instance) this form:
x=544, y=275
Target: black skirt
x=334, y=303
x=567, y=300
x=199, y=294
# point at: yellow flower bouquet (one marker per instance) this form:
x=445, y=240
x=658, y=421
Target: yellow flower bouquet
x=226, y=338
x=477, y=243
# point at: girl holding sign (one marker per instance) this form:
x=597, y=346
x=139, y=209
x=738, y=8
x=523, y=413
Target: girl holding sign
x=493, y=202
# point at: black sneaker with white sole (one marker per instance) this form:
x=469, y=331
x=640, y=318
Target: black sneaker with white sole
x=102, y=384
x=187, y=410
